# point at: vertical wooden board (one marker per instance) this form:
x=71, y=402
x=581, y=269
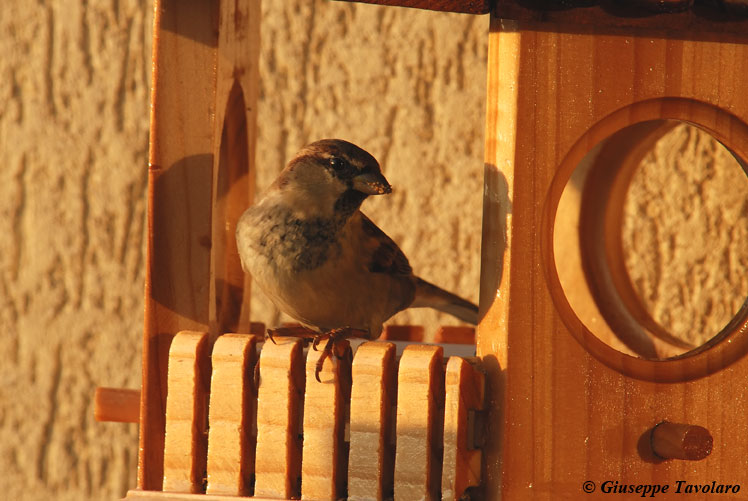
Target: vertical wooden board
x=234, y=136
x=455, y=334
x=279, y=401
x=371, y=460
x=576, y=410
x=179, y=204
x=326, y=406
x=233, y=405
x=465, y=393
x=186, y=413
x=420, y=416
x=492, y=336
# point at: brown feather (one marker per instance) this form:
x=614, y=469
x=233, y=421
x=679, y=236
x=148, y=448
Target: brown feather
x=387, y=256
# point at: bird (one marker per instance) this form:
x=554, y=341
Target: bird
x=320, y=260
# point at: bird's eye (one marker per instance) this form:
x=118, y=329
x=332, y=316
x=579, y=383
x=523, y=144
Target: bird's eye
x=337, y=163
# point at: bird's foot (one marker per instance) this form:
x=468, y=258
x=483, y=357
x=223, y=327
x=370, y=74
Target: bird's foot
x=291, y=331
x=333, y=337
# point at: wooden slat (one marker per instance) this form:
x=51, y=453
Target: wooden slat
x=461, y=6
x=186, y=413
x=138, y=495
x=121, y=405
x=278, y=458
x=455, y=334
x=465, y=392
x=372, y=449
x=420, y=407
x=326, y=404
x=232, y=437
x=412, y=333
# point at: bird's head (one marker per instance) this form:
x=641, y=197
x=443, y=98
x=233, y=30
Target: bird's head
x=332, y=176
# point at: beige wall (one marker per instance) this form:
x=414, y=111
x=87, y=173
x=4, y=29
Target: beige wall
x=74, y=83
x=406, y=85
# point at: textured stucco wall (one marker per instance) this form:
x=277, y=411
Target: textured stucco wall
x=407, y=85
x=74, y=83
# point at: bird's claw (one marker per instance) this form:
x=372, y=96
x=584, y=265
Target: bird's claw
x=333, y=337
x=269, y=335
x=257, y=374
x=328, y=349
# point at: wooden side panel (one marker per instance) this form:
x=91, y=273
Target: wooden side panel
x=575, y=409
x=324, y=469
x=187, y=413
x=232, y=437
x=234, y=136
x=372, y=453
x=179, y=204
x=279, y=401
x=465, y=393
x=201, y=176
x=420, y=414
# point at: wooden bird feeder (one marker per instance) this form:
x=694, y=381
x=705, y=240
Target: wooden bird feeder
x=566, y=408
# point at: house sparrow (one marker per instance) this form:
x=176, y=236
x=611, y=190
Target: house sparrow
x=321, y=260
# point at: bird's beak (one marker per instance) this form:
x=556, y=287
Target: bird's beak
x=371, y=183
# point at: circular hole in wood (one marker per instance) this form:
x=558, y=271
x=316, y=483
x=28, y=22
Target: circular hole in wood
x=684, y=230
x=649, y=245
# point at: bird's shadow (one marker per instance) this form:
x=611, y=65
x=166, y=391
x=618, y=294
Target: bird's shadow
x=497, y=207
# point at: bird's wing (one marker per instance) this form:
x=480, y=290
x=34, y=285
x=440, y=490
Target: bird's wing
x=384, y=254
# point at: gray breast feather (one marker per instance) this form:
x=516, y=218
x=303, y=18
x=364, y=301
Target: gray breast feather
x=303, y=244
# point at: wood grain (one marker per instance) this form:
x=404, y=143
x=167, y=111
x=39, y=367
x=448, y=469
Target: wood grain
x=179, y=177
x=412, y=333
x=455, y=334
x=465, y=394
x=420, y=416
x=279, y=404
x=324, y=469
x=203, y=98
x=117, y=404
x=138, y=495
x=570, y=407
x=185, y=444
x=681, y=441
x=232, y=418
x=461, y=6
x=372, y=428
x=234, y=143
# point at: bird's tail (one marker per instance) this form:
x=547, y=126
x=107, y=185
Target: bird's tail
x=430, y=296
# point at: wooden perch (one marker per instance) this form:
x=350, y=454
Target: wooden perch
x=371, y=460
x=186, y=444
x=465, y=394
x=324, y=468
x=681, y=441
x=420, y=413
x=117, y=404
x=233, y=407
x=278, y=458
